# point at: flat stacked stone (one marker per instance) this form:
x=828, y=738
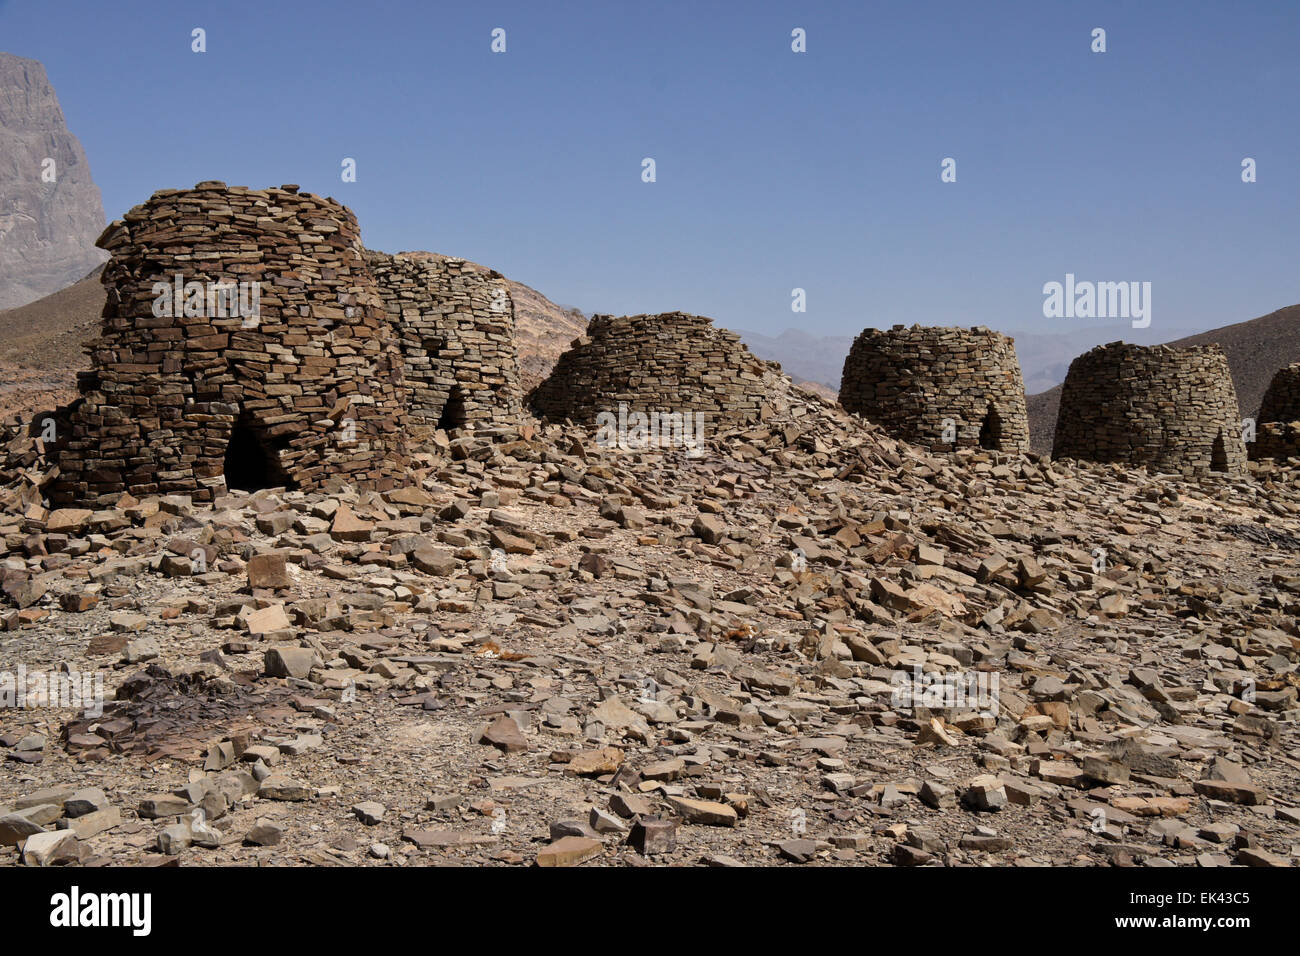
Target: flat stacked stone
x=1277, y=429
x=312, y=383
x=938, y=387
x=673, y=362
x=456, y=326
x=1276, y=440
x=1172, y=410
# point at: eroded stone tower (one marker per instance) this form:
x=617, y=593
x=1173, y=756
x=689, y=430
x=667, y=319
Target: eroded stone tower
x=1173, y=410
x=1277, y=428
x=456, y=327
x=1281, y=401
x=244, y=342
x=941, y=388
x=672, y=362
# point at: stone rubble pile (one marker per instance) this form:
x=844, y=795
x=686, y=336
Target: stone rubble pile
x=545, y=652
x=802, y=641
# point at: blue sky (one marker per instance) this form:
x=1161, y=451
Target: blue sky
x=775, y=170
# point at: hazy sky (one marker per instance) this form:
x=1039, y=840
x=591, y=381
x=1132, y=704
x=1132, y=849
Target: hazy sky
x=775, y=169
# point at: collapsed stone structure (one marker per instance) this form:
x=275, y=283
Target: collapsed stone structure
x=244, y=343
x=1173, y=410
x=673, y=362
x=1281, y=402
x=941, y=388
x=456, y=327
x=1277, y=426
x=1277, y=440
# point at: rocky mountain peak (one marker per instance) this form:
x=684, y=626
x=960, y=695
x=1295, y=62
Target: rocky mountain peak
x=50, y=207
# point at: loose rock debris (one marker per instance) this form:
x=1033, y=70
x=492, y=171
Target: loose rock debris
x=811, y=645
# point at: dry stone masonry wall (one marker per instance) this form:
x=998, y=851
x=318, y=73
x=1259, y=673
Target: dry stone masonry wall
x=1277, y=430
x=668, y=363
x=1282, y=399
x=189, y=390
x=1172, y=410
x=456, y=326
x=941, y=388
x=1276, y=440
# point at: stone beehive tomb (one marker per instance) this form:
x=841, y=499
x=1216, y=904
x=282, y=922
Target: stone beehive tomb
x=1276, y=433
x=456, y=326
x=1173, y=410
x=1281, y=401
x=655, y=363
x=244, y=343
x=941, y=388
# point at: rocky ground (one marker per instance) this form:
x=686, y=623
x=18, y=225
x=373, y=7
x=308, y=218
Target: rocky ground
x=549, y=652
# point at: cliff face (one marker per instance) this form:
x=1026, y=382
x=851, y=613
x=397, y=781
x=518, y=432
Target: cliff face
x=47, y=229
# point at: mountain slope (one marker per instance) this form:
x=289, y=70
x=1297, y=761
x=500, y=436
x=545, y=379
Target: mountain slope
x=812, y=359
x=40, y=346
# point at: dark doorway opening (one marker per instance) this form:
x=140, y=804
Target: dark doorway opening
x=1219, y=454
x=991, y=430
x=250, y=465
x=453, y=414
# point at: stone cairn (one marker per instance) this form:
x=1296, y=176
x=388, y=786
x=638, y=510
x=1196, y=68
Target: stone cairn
x=1172, y=410
x=940, y=388
x=456, y=326
x=1277, y=428
x=666, y=363
x=305, y=392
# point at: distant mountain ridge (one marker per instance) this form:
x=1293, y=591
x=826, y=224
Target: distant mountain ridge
x=804, y=357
